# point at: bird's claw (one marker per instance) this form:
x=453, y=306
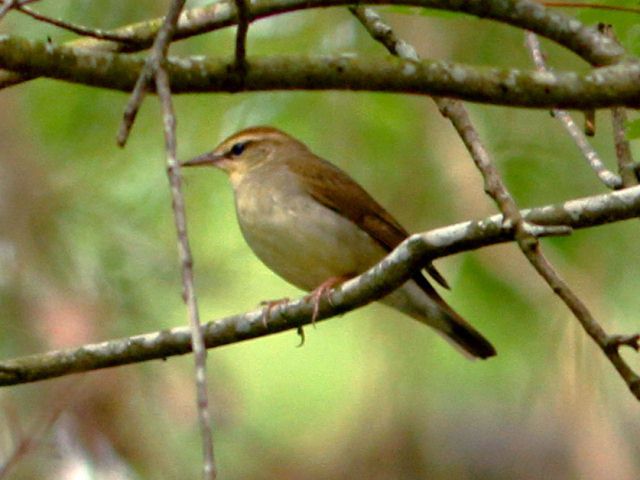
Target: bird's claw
x=268, y=306
x=322, y=290
x=300, y=332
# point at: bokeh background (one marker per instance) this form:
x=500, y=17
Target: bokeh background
x=88, y=253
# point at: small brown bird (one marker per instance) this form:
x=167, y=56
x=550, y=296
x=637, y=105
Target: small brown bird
x=313, y=225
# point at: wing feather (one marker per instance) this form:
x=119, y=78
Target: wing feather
x=334, y=189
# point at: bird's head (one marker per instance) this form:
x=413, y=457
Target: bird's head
x=250, y=148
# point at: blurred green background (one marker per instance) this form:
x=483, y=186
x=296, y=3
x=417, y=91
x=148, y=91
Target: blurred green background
x=88, y=253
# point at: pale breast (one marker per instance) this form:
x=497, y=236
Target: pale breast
x=298, y=238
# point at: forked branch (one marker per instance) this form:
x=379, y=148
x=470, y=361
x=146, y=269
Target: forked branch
x=526, y=233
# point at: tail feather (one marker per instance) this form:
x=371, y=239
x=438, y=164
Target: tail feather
x=470, y=339
x=419, y=300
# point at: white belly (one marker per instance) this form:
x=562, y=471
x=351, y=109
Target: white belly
x=301, y=240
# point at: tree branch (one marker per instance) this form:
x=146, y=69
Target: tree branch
x=603, y=87
x=585, y=41
x=394, y=270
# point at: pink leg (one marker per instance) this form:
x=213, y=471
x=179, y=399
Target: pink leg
x=321, y=290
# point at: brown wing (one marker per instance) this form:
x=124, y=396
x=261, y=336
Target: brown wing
x=334, y=189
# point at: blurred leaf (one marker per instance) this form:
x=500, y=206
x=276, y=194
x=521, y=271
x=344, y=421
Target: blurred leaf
x=425, y=12
x=633, y=129
x=623, y=23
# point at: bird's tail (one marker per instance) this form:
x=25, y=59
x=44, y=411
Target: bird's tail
x=425, y=305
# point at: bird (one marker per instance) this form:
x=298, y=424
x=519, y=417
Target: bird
x=313, y=225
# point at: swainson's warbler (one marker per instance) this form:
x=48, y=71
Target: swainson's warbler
x=313, y=225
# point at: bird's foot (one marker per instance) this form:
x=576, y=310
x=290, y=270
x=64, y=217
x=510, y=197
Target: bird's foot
x=322, y=290
x=268, y=306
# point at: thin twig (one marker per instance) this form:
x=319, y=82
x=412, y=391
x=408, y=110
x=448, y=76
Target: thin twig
x=594, y=6
x=241, y=36
x=6, y=6
x=626, y=164
x=189, y=295
x=156, y=57
x=609, y=344
x=154, y=71
x=79, y=29
x=631, y=341
x=27, y=441
x=627, y=167
x=606, y=176
x=525, y=233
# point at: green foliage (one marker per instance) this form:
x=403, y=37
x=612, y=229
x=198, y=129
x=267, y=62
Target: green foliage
x=633, y=129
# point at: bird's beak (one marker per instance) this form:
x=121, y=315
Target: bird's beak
x=210, y=158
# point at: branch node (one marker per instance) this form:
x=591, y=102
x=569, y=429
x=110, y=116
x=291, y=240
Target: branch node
x=589, y=123
x=614, y=342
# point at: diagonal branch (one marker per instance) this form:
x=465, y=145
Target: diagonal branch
x=375, y=283
x=610, y=179
x=525, y=232
x=609, y=344
x=155, y=61
x=8, y=5
x=28, y=441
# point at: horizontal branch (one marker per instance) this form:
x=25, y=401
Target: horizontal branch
x=616, y=85
x=531, y=15
x=380, y=280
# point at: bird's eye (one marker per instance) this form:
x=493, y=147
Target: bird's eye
x=238, y=148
